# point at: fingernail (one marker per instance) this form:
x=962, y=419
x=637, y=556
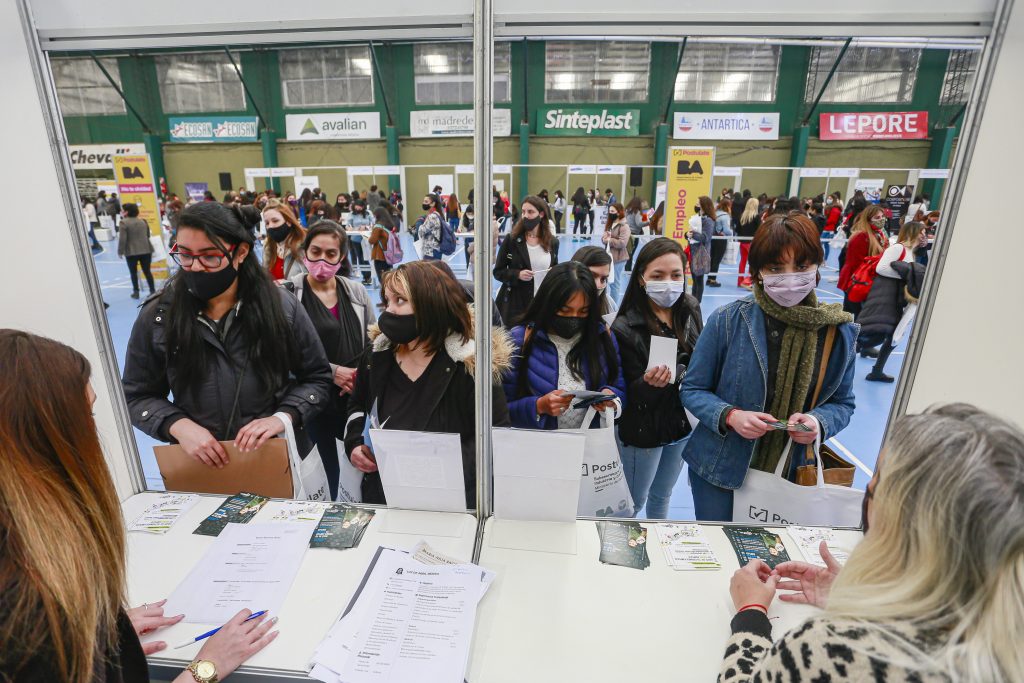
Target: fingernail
x=273, y=620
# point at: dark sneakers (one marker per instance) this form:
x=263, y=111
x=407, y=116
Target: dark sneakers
x=880, y=377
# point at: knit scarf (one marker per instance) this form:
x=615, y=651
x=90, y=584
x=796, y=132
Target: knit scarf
x=796, y=364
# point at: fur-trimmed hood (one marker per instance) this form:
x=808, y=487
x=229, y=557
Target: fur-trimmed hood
x=502, y=348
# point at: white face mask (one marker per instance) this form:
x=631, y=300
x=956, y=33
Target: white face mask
x=789, y=289
x=665, y=293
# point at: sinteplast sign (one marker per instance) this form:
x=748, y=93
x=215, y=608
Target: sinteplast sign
x=577, y=121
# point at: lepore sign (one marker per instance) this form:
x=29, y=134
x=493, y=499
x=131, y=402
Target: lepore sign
x=888, y=125
x=588, y=121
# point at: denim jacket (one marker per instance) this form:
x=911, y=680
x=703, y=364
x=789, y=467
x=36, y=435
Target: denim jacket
x=729, y=368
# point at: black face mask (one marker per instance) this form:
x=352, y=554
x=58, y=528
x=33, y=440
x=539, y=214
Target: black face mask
x=566, y=327
x=204, y=285
x=531, y=223
x=400, y=329
x=280, y=234
x=428, y=207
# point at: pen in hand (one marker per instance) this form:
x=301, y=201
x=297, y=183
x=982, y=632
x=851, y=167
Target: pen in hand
x=203, y=636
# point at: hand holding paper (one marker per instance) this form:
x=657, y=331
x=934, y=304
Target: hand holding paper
x=663, y=353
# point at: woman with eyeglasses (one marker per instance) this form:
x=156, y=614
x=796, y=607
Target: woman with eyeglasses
x=230, y=347
x=283, y=254
x=341, y=312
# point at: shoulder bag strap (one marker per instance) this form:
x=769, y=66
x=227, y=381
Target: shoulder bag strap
x=234, y=405
x=830, y=338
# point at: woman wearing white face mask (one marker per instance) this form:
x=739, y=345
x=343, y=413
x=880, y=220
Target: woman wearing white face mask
x=653, y=427
x=758, y=362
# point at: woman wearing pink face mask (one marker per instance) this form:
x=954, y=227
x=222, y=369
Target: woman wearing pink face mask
x=341, y=311
x=759, y=361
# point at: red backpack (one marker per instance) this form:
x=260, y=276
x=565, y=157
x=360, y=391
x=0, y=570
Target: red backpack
x=864, y=277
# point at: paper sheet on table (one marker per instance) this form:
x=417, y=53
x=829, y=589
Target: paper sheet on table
x=420, y=470
x=249, y=566
x=423, y=553
x=809, y=539
x=161, y=515
x=537, y=474
x=663, y=352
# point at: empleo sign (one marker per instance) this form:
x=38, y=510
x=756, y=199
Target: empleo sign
x=588, y=121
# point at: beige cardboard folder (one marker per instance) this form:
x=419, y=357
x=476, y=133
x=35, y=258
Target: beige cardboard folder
x=264, y=471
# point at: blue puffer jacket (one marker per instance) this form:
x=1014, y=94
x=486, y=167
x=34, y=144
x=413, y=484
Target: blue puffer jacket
x=542, y=378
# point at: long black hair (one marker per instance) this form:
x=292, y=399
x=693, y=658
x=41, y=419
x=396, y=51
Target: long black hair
x=261, y=320
x=595, y=346
x=635, y=298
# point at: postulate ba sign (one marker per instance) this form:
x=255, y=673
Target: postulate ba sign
x=878, y=125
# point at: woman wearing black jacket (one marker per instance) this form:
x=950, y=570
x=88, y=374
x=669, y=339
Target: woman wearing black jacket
x=581, y=211
x=232, y=348
x=653, y=427
x=523, y=259
x=417, y=373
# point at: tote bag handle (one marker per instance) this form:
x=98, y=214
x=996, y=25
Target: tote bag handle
x=784, y=458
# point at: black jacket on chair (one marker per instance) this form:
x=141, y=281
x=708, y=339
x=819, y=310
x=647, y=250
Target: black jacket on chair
x=652, y=416
x=883, y=308
x=515, y=295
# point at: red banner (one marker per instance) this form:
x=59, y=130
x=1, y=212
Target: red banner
x=878, y=125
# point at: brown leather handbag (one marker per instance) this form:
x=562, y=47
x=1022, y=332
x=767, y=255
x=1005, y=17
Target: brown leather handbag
x=838, y=471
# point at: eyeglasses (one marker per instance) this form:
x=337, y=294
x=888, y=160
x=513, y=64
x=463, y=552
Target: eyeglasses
x=185, y=259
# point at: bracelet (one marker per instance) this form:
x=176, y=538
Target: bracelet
x=746, y=607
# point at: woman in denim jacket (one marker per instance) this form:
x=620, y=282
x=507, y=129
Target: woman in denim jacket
x=757, y=361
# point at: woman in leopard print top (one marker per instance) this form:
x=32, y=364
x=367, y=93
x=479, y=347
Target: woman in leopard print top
x=934, y=592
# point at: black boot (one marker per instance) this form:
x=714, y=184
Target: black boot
x=713, y=282
x=135, y=294
x=880, y=377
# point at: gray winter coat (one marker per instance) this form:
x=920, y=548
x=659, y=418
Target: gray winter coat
x=148, y=380
x=133, y=238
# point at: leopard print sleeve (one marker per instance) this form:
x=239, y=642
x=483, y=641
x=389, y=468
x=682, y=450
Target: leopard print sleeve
x=751, y=640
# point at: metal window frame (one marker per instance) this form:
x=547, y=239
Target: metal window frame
x=600, y=96
x=326, y=77
x=102, y=85
x=505, y=76
x=221, y=82
x=776, y=50
x=829, y=95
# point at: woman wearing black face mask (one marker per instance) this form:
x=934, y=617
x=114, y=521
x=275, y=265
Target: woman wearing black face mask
x=283, y=252
x=524, y=258
x=563, y=346
x=417, y=373
x=429, y=231
x=232, y=348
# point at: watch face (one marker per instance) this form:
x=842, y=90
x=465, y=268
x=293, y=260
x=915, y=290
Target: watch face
x=206, y=669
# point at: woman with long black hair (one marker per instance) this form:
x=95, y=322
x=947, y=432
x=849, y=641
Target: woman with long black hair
x=653, y=428
x=528, y=253
x=232, y=348
x=580, y=211
x=562, y=346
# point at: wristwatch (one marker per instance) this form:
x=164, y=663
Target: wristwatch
x=204, y=671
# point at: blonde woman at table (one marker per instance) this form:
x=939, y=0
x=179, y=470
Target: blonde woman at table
x=934, y=592
x=62, y=569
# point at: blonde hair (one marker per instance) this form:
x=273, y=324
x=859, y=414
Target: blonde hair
x=750, y=211
x=62, y=564
x=863, y=224
x=910, y=231
x=945, y=550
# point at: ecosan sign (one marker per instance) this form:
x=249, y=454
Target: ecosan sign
x=588, y=121
x=340, y=126
x=91, y=157
x=725, y=126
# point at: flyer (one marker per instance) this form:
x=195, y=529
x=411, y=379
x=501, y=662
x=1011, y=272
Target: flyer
x=686, y=547
x=238, y=509
x=756, y=543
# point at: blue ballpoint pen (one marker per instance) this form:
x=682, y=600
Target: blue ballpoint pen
x=210, y=633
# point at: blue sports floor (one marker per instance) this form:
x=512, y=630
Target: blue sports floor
x=860, y=439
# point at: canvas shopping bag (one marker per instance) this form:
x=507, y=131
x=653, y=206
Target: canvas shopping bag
x=309, y=480
x=772, y=500
x=350, y=481
x=603, y=488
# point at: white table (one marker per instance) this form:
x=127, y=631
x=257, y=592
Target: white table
x=562, y=617
x=322, y=588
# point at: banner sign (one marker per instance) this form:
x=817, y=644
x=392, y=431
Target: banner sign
x=464, y=168
x=309, y=182
x=588, y=121
x=933, y=173
x=94, y=157
x=196, y=191
x=897, y=200
x=611, y=170
x=213, y=128
x=871, y=187
x=844, y=172
x=813, y=172
x=889, y=125
x=358, y=125
x=583, y=169
x=725, y=126
x=455, y=123
x=257, y=172
x=732, y=171
x=282, y=172
x=136, y=185
x=689, y=177
x=387, y=170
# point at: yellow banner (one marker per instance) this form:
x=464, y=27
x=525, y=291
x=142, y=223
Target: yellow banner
x=689, y=176
x=136, y=185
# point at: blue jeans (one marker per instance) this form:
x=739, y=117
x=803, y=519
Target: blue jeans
x=618, y=287
x=710, y=503
x=826, y=242
x=651, y=474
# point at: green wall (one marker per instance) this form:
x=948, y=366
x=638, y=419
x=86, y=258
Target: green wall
x=201, y=163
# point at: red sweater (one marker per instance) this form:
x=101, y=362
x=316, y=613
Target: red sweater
x=832, y=218
x=856, y=252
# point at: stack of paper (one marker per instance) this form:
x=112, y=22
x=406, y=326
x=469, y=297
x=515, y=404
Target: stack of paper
x=164, y=512
x=623, y=544
x=341, y=527
x=410, y=619
x=238, y=509
x=686, y=547
x=809, y=540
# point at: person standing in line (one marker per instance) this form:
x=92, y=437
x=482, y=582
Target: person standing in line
x=134, y=246
x=593, y=199
x=599, y=263
x=757, y=362
x=384, y=229
x=558, y=209
x=359, y=220
x=453, y=211
x=719, y=245
x=580, y=211
x=429, y=231
x=867, y=239
x=700, y=245
x=341, y=313
x=816, y=214
x=526, y=255
x=653, y=427
x=616, y=237
x=91, y=223
x=373, y=199
x=750, y=221
x=635, y=221
x=283, y=252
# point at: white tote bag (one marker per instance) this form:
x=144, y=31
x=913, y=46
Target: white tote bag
x=350, y=481
x=309, y=480
x=772, y=500
x=603, y=488
x=732, y=253
x=159, y=250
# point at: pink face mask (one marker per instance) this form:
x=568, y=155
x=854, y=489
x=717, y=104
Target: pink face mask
x=789, y=289
x=321, y=270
